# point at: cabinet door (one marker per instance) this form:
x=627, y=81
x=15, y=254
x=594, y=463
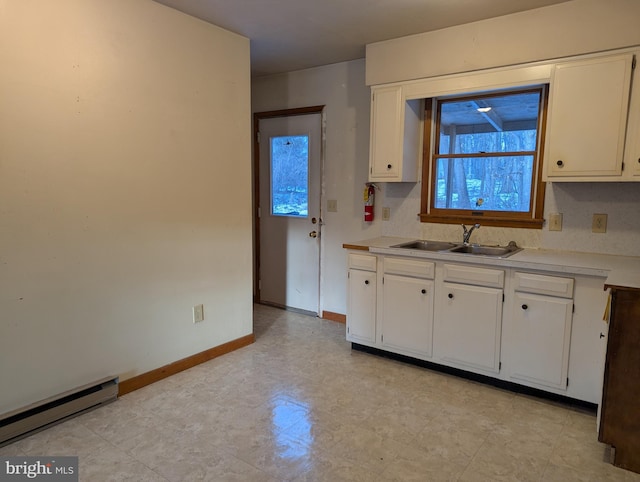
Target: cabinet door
x=540, y=339
x=361, y=315
x=386, y=133
x=588, y=108
x=407, y=315
x=468, y=326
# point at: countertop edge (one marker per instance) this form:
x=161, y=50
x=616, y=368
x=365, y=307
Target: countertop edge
x=616, y=270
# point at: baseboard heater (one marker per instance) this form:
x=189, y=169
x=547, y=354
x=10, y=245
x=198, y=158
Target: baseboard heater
x=27, y=420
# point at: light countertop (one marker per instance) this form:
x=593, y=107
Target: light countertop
x=618, y=271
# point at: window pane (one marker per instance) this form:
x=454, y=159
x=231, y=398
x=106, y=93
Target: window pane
x=290, y=176
x=506, y=123
x=484, y=183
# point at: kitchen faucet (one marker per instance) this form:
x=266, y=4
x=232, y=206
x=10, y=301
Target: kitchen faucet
x=467, y=233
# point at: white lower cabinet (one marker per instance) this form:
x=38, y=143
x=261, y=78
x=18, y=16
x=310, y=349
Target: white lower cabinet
x=406, y=319
x=538, y=330
x=468, y=326
x=541, y=339
x=550, y=334
x=361, y=305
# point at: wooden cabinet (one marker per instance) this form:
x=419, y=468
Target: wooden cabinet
x=395, y=138
x=538, y=330
x=406, y=319
x=586, y=125
x=468, y=322
x=361, y=303
x=620, y=411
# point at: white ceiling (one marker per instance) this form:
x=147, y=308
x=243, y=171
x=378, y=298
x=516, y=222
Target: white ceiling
x=291, y=35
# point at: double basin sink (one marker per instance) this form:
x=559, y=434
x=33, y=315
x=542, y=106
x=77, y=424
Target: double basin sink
x=471, y=249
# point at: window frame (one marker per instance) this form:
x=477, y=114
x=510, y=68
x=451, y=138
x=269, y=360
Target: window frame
x=428, y=214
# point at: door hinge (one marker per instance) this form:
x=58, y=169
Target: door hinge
x=381, y=338
x=633, y=63
x=622, y=169
x=567, y=381
x=347, y=329
x=573, y=308
x=383, y=280
x=499, y=366
x=503, y=297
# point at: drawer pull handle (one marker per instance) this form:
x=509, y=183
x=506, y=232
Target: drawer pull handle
x=366, y=281
x=524, y=307
x=450, y=296
x=388, y=166
x=423, y=291
x=560, y=163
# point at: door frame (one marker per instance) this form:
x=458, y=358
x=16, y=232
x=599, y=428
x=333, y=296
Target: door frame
x=257, y=117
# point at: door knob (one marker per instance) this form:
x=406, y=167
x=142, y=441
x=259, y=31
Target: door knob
x=313, y=234
x=314, y=220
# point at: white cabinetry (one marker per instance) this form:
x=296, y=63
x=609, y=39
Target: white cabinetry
x=539, y=329
x=395, y=138
x=361, y=309
x=632, y=146
x=407, y=306
x=587, y=120
x=468, y=320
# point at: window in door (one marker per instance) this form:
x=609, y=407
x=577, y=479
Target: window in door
x=290, y=176
x=484, y=164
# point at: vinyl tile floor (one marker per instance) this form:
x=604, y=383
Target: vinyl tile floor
x=300, y=405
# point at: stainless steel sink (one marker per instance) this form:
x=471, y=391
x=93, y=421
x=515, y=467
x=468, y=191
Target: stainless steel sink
x=473, y=249
x=494, y=251
x=425, y=245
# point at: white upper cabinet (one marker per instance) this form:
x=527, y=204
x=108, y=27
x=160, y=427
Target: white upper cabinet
x=395, y=141
x=587, y=119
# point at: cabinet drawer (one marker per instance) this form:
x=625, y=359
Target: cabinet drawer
x=544, y=285
x=409, y=267
x=362, y=261
x=473, y=275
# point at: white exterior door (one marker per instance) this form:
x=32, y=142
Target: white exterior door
x=289, y=223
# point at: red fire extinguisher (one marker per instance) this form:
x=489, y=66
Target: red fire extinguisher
x=369, y=195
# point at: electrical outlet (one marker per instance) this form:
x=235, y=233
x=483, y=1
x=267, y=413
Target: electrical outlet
x=198, y=313
x=386, y=214
x=555, y=222
x=332, y=205
x=599, y=224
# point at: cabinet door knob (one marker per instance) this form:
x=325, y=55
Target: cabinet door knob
x=366, y=281
x=388, y=166
x=601, y=335
x=560, y=163
x=524, y=307
x=450, y=295
x=423, y=291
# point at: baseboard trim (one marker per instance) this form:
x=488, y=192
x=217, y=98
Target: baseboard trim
x=158, y=374
x=331, y=316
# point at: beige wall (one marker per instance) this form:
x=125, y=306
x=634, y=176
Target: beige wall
x=565, y=29
x=124, y=191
